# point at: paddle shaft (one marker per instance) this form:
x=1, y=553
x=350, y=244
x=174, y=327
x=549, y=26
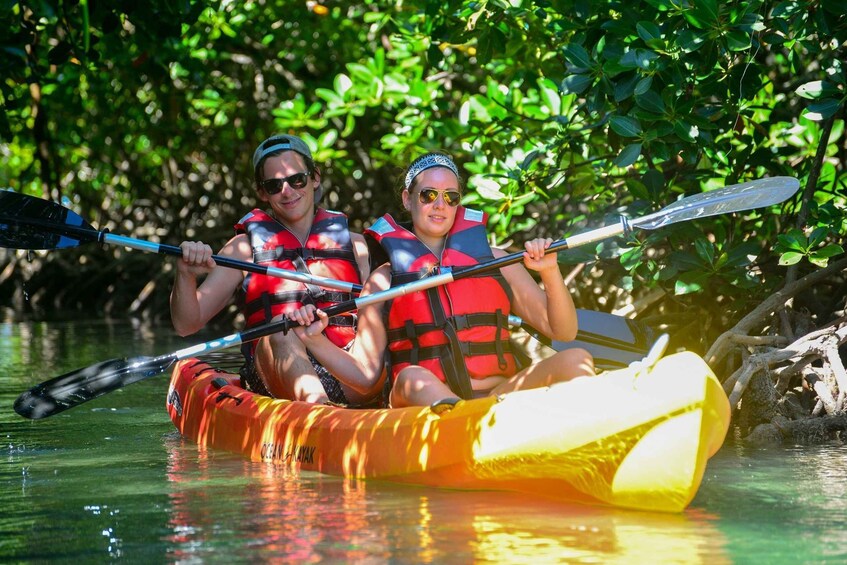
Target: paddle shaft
x=92, y=235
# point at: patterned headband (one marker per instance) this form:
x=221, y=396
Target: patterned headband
x=427, y=162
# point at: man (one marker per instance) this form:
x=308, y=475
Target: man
x=291, y=234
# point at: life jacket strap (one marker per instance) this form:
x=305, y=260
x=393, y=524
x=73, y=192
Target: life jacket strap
x=413, y=338
x=467, y=349
x=455, y=371
x=502, y=323
x=316, y=292
x=460, y=322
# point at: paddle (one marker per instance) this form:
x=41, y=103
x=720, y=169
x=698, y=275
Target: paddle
x=27, y=222
x=76, y=387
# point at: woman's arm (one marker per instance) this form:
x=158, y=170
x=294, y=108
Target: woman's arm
x=361, y=367
x=551, y=310
x=360, y=250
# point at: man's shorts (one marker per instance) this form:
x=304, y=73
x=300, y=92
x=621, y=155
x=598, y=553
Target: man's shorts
x=251, y=380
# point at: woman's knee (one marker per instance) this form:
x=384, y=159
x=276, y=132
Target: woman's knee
x=576, y=361
x=413, y=378
x=416, y=385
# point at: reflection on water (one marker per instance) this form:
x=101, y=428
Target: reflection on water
x=111, y=480
x=314, y=517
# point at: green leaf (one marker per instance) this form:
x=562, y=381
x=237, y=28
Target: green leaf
x=576, y=84
x=550, y=96
x=686, y=131
x=638, y=58
x=651, y=102
x=691, y=40
x=702, y=14
x=822, y=110
x=576, y=55
x=631, y=258
x=705, y=250
x=628, y=156
x=330, y=96
x=488, y=188
x=817, y=236
x=328, y=138
x=690, y=282
x=738, y=40
x=794, y=240
x=684, y=260
x=790, y=258
x=743, y=255
x=624, y=88
x=349, y=125
x=830, y=250
x=817, y=89
x=360, y=73
x=818, y=260
x=342, y=83
x=490, y=43
x=625, y=126
x=648, y=31
x=643, y=85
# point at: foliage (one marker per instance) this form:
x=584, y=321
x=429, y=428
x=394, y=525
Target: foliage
x=563, y=113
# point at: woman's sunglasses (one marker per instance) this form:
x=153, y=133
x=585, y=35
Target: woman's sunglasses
x=298, y=181
x=430, y=195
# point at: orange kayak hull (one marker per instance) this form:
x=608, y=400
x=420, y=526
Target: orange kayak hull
x=629, y=438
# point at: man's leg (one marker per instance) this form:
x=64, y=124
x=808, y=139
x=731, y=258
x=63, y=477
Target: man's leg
x=283, y=364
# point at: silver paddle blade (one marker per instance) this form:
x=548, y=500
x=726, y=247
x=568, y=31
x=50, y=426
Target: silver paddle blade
x=735, y=198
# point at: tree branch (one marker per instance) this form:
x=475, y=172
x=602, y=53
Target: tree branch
x=725, y=342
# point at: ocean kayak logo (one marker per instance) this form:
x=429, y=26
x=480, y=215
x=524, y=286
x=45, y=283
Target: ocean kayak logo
x=295, y=454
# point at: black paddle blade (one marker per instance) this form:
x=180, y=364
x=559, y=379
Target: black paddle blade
x=27, y=222
x=74, y=388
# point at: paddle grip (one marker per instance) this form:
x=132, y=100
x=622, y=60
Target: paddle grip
x=284, y=324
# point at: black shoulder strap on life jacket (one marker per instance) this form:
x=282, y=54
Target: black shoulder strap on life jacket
x=453, y=364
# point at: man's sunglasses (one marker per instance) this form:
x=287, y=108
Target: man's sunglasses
x=298, y=181
x=430, y=195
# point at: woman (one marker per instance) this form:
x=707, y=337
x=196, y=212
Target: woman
x=449, y=341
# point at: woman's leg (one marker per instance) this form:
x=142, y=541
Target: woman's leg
x=416, y=386
x=562, y=366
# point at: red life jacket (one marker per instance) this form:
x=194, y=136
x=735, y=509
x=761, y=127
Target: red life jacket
x=328, y=252
x=458, y=330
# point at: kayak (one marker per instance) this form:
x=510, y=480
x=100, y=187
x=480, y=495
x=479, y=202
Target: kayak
x=637, y=437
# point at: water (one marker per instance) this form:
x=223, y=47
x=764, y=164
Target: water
x=111, y=480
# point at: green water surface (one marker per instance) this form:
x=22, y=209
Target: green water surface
x=111, y=480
